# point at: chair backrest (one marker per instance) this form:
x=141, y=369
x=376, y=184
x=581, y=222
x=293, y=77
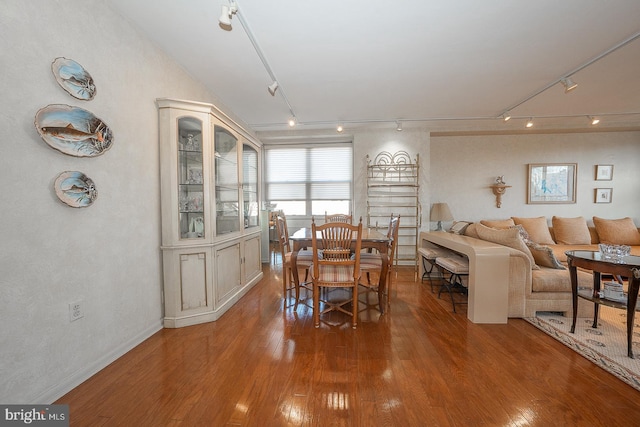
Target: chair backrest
x=392, y=234
x=283, y=234
x=338, y=218
x=336, y=241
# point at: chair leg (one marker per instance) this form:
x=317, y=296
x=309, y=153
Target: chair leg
x=316, y=306
x=354, y=307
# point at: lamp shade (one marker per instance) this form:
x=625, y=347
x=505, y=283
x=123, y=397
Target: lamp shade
x=440, y=212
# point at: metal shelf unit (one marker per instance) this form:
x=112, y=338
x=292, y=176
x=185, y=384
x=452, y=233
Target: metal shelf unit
x=393, y=187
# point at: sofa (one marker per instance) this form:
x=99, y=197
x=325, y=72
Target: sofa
x=538, y=275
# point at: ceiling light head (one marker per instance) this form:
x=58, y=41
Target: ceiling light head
x=594, y=120
x=399, y=126
x=228, y=10
x=568, y=84
x=529, y=123
x=273, y=87
x=339, y=128
x=506, y=116
x=292, y=122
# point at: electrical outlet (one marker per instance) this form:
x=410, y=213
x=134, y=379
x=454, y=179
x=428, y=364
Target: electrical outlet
x=76, y=310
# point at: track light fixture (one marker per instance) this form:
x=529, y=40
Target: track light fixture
x=529, y=123
x=339, y=128
x=273, y=87
x=292, y=122
x=228, y=10
x=594, y=120
x=568, y=84
x=399, y=126
x=506, y=116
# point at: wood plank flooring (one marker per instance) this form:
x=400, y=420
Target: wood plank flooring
x=419, y=364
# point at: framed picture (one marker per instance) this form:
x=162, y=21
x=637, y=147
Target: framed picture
x=604, y=172
x=603, y=195
x=552, y=183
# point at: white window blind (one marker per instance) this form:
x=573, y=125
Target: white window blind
x=309, y=179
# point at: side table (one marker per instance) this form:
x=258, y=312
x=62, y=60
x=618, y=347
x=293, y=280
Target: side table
x=628, y=266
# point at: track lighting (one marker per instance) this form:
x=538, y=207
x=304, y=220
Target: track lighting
x=228, y=10
x=273, y=87
x=292, y=122
x=594, y=120
x=569, y=84
x=506, y=116
x=339, y=128
x=399, y=126
x=529, y=123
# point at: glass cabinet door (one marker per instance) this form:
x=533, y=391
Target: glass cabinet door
x=226, y=168
x=190, y=178
x=250, y=185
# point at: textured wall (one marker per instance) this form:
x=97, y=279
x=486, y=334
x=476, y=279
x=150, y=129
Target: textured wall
x=50, y=254
x=462, y=168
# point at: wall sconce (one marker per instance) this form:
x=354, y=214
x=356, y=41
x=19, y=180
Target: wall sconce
x=499, y=188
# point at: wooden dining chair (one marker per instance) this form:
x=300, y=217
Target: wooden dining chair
x=334, y=267
x=372, y=262
x=338, y=218
x=304, y=260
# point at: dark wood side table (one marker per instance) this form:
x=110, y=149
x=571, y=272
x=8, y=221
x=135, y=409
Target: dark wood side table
x=628, y=266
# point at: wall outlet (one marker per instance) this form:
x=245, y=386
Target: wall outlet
x=76, y=310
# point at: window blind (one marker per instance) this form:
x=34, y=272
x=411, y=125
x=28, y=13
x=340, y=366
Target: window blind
x=315, y=176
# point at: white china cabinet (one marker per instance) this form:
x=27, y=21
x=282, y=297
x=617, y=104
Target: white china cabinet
x=210, y=180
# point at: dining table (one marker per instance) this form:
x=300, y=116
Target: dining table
x=372, y=239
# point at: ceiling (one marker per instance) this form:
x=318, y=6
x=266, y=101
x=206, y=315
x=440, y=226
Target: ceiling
x=449, y=65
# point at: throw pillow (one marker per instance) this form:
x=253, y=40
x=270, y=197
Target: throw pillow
x=544, y=256
x=617, y=231
x=537, y=228
x=458, y=227
x=571, y=231
x=472, y=231
x=498, y=223
x=508, y=237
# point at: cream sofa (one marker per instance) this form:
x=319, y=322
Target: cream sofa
x=538, y=277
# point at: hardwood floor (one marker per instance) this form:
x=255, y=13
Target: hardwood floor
x=419, y=364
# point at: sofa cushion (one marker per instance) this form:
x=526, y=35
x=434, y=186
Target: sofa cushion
x=571, y=231
x=617, y=231
x=544, y=256
x=537, y=228
x=498, y=223
x=508, y=237
x=458, y=227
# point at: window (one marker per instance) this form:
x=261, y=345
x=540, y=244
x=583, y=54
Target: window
x=309, y=179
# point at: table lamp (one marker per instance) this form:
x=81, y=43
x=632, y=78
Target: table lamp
x=440, y=212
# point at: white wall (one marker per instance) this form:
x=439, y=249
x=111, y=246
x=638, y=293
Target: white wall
x=106, y=255
x=463, y=168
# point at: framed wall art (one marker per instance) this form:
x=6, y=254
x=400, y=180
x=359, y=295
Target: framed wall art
x=603, y=195
x=604, y=172
x=552, y=183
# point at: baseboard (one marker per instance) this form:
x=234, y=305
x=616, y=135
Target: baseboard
x=58, y=390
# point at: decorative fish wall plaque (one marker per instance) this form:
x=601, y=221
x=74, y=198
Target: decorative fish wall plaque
x=75, y=189
x=73, y=130
x=73, y=78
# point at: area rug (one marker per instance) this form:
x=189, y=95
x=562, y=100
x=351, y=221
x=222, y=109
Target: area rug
x=606, y=345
